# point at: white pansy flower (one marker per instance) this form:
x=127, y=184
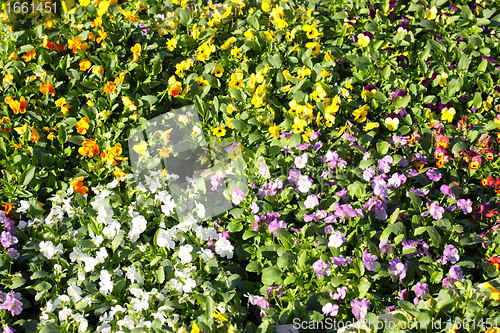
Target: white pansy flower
x=113, y=184
x=165, y=239
x=90, y=264
x=126, y=322
x=189, y=284
x=133, y=275
x=185, y=253
x=109, y=232
x=74, y=292
x=64, y=314
x=133, y=235
x=139, y=223
x=168, y=206
x=101, y=255
x=49, y=250
x=175, y=284
x=25, y=205
x=224, y=248
x=201, y=210
x=206, y=254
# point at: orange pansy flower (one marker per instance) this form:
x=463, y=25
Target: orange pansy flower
x=34, y=135
x=84, y=64
x=29, y=56
x=47, y=88
x=82, y=125
x=102, y=36
x=110, y=88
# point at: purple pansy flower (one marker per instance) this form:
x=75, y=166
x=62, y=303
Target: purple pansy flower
x=12, y=303
x=369, y=260
x=368, y=174
x=398, y=92
x=7, y=239
x=303, y=146
x=301, y=161
x=421, y=288
x=456, y=273
x=436, y=211
x=276, y=225
x=434, y=175
x=322, y=268
x=465, y=205
x=330, y=309
x=396, y=180
x=216, y=181
x=340, y=294
x=237, y=196
x=341, y=260
x=311, y=201
x=360, y=308
x=385, y=247
x=450, y=254
x=276, y=291
x=398, y=268
x=384, y=165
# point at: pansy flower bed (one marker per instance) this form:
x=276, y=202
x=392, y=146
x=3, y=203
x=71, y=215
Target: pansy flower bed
x=359, y=162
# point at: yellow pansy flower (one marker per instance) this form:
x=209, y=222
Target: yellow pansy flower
x=140, y=148
x=363, y=40
x=392, y=123
x=447, y=114
x=360, y=113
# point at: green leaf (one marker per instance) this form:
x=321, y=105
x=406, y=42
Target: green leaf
x=254, y=137
x=157, y=67
x=44, y=285
x=17, y=282
x=286, y=260
x=235, y=226
x=254, y=266
x=419, y=231
x=443, y=224
x=39, y=275
x=237, y=94
x=62, y=136
x=463, y=63
x=482, y=66
x=113, y=10
x=27, y=175
x=362, y=62
x=117, y=241
x=415, y=200
x=403, y=102
x=185, y=16
x=49, y=329
x=149, y=100
x=270, y=275
x=397, y=228
x=434, y=234
x=160, y=274
x=86, y=243
x=357, y=189
x=239, y=125
x=275, y=61
x=394, y=216
x=467, y=13
x=363, y=288
x=253, y=22
x=383, y=147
